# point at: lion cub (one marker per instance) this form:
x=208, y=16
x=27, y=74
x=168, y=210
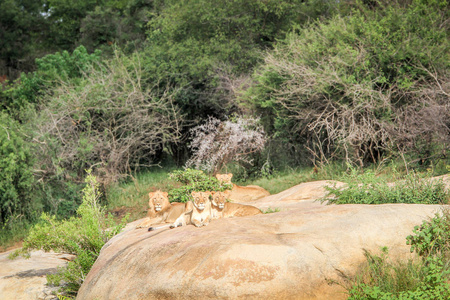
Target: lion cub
x=161, y=210
x=220, y=208
x=201, y=213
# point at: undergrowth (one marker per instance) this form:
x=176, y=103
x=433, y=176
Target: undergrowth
x=424, y=277
x=83, y=236
x=368, y=188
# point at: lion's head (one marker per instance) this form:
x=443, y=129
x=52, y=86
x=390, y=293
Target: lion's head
x=219, y=199
x=158, y=200
x=224, y=178
x=200, y=199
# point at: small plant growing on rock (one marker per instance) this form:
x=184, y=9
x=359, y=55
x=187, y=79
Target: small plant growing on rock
x=271, y=210
x=194, y=180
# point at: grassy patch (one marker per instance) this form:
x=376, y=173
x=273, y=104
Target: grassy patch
x=286, y=179
x=368, y=188
x=131, y=196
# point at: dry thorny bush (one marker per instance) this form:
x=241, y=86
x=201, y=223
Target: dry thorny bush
x=217, y=143
x=111, y=121
x=366, y=120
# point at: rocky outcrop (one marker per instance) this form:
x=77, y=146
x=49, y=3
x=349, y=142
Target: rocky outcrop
x=291, y=254
x=24, y=279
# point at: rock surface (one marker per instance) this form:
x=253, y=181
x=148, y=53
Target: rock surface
x=24, y=279
x=285, y=255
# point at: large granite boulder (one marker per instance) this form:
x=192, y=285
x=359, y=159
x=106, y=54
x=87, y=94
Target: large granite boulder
x=24, y=279
x=290, y=254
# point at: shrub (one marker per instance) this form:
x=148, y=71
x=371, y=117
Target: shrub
x=432, y=237
x=425, y=277
x=52, y=69
x=19, y=203
x=360, y=86
x=194, y=180
x=83, y=236
x=217, y=143
x=367, y=188
x=107, y=119
x=380, y=278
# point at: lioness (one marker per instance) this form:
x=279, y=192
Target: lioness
x=220, y=208
x=242, y=194
x=161, y=210
x=224, y=178
x=201, y=212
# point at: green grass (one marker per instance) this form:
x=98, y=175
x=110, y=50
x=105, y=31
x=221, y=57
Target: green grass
x=131, y=196
x=286, y=179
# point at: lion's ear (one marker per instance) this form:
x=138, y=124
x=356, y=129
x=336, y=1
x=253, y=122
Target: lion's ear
x=166, y=194
x=151, y=194
x=212, y=193
x=227, y=193
x=230, y=174
x=193, y=193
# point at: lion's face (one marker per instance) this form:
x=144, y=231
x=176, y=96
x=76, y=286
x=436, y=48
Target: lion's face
x=200, y=199
x=219, y=199
x=224, y=178
x=159, y=199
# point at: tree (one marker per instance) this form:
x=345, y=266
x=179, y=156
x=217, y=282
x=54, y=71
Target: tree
x=107, y=119
x=364, y=85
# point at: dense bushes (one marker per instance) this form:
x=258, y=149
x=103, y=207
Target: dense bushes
x=105, y=118
x=19, y=204
x=83, y=236
x=361, y=86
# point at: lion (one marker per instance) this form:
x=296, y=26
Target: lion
x=161, y=210
x=242, y=194
x=224, y=178
x=201, y=210
x=220, y=208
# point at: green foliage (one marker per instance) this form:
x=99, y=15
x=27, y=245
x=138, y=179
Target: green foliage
x=383, y=279
x=19, y=204
x=367, y=188
x=23, y=29
x=52, y=69
x=432, y=237
x=83, y=236
x=353, y=87
x=426, y=277
x=106, y=118
x=194, y=180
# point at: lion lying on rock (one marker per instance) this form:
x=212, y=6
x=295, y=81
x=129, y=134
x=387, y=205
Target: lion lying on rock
x=222, y=209
x=242, y=193
x=204, y=207
x=161, y=210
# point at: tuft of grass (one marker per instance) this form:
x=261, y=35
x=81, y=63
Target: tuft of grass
x=271, y=210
